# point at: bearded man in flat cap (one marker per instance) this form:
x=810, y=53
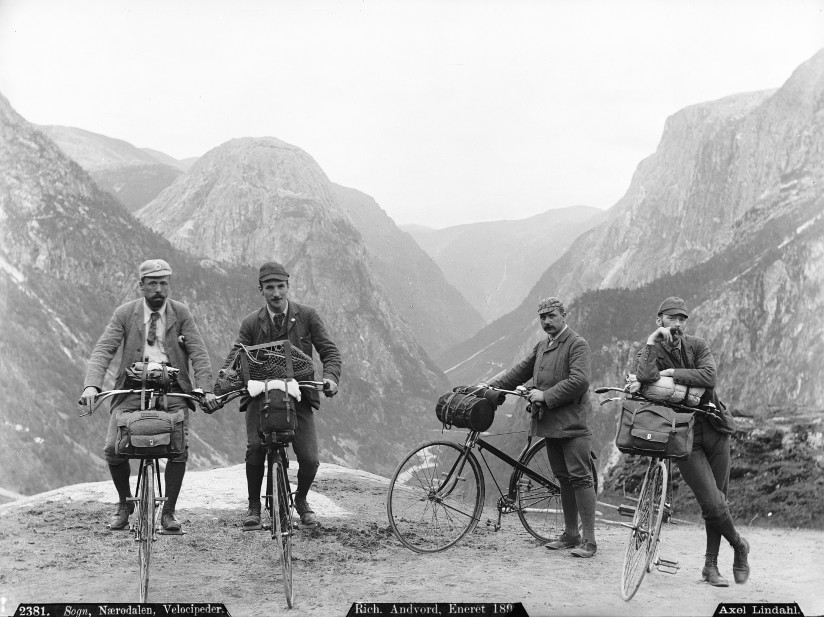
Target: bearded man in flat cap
x=559, y=368
x=670, y=352
x=164, y=331
x=284, y=319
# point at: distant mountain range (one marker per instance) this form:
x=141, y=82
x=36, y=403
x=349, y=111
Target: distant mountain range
x=495, y=264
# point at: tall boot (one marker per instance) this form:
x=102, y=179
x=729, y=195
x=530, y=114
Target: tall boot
x=740, y=566
x=710, y=572
x=120, y=477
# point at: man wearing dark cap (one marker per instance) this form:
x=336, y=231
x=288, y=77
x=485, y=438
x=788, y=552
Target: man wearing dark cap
x=559, y=367
x=669, y=352
x=281, y=319
x=162, y=330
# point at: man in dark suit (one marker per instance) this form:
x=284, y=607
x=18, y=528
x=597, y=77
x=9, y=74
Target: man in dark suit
x=283, y=319
x=162, y=330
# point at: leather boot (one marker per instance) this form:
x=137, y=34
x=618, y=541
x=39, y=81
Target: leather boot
x=710, y=572
x=740, y=567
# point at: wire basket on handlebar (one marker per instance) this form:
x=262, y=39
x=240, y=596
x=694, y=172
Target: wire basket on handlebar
x=262, y=363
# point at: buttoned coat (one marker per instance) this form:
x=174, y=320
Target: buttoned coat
x=126, y=331
x=561, y=369
x=304, y=329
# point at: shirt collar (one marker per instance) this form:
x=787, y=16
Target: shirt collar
x=148, y=310
x=557, y=336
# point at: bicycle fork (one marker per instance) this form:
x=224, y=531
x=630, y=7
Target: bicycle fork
x=667, y=566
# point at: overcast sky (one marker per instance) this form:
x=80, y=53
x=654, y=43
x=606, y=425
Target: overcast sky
x=445, y=112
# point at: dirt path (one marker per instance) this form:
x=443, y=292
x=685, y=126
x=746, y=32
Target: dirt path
x=55, y=548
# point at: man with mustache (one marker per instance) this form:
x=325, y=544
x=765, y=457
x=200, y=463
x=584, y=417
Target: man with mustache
x=162, y=330
x=669, y=352
x=279, y=319
x=559, y=367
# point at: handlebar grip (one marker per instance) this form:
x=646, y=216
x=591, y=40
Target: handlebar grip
x=601, y=390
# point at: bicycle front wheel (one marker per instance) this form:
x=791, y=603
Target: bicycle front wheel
x=145, y=525
x=538, y=504
x=646, y=528
x=436, y=496
x=281, y=513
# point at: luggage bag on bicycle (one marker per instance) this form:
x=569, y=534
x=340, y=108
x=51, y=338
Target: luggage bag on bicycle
x=646, y=429
x=150, y=433
x=468, y=407
x=276, y=410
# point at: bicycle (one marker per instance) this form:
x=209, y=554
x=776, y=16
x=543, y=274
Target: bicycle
x=436, y=494
x=148, y=490
x=654, y=506
x=279, y=498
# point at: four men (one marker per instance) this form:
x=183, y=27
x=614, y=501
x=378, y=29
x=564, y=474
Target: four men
x=559, y=366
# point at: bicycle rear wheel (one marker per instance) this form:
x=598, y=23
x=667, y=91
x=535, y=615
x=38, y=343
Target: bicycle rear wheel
x=435, y=497
x=145, y=524
x=281, y=513
x=646, y=528
x=538, y=506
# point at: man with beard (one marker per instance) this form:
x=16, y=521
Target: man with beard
x=282, y=319
x=669, y=352
x=162, y=330
x=559, y=367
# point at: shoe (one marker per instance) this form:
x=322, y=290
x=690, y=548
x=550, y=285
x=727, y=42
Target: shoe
x=586, y=550
x=307, y=516
x=252, y=519
x=121, y=518
x=565, y=540
x=740, y=567
x=711, y=574
x=169, y=521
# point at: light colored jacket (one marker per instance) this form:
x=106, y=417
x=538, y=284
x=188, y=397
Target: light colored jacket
x=126, y=332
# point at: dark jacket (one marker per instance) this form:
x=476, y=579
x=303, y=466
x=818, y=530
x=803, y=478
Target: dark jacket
x=696, y=369
x=560, y=369
x=126, y=328
x=304, y=329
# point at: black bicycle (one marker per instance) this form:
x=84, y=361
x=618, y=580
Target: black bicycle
x=436, y=495
x=652, y=507
x=148, y=492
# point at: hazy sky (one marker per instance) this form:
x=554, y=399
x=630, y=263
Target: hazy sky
x=445, y=112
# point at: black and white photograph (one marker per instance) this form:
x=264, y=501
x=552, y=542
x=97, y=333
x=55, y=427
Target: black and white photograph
x=411, y=307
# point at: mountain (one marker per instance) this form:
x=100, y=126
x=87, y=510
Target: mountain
x=133, y=175
x=182, y=165
x=437, y=313
x=68, y=257
x=495, y=264
x=729, y=214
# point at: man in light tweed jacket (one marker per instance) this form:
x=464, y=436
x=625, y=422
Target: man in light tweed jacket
x=162, y=330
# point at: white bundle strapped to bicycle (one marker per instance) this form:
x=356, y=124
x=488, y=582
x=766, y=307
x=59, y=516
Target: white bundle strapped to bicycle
x=666, y=390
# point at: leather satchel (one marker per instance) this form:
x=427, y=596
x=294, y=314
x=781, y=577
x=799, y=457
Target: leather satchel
x=150, y=433
x=276, y=409
x=468, y=407
x=646, y=429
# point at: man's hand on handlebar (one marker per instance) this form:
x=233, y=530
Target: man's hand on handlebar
x=210, y=403
x=330, y=388
x=89, y=394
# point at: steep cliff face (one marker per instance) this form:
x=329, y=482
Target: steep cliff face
x=437, y=313
x=495, y=264
x=133, y=175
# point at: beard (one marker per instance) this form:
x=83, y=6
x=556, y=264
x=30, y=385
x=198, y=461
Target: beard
x=156, y=301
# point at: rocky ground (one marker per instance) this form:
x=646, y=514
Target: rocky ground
x=55, y=547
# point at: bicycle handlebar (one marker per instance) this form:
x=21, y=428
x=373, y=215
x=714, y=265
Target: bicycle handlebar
x=198, y=397
x=707, y=410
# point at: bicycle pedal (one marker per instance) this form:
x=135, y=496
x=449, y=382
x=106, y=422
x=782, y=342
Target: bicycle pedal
x=253, y=528
x=666, y=566
x=625, y=510
x=164, y=532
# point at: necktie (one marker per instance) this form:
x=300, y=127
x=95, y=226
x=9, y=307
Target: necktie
x=152, y=336
x=279, y=321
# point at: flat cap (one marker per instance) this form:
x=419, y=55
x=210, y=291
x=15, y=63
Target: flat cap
x=154, y=267
x=673, y=306
x=274, y=271
x=550, y=304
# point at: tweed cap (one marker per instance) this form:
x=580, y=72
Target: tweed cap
x=673, y=306
x=550, y=304
x=273, y=271
x=154, y=267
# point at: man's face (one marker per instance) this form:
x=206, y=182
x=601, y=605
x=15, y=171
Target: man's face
x=155, y=289
x=677, y=325
x=276, y=293
x=552, y=322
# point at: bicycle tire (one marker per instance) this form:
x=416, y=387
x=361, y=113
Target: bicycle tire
x=436, y=496
x=538, y=507
x=145, y=525
x=646, y=528
x=281, y=513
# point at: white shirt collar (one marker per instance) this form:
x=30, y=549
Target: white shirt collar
x=148, y=310
x=555, y=338
x=272, y=313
